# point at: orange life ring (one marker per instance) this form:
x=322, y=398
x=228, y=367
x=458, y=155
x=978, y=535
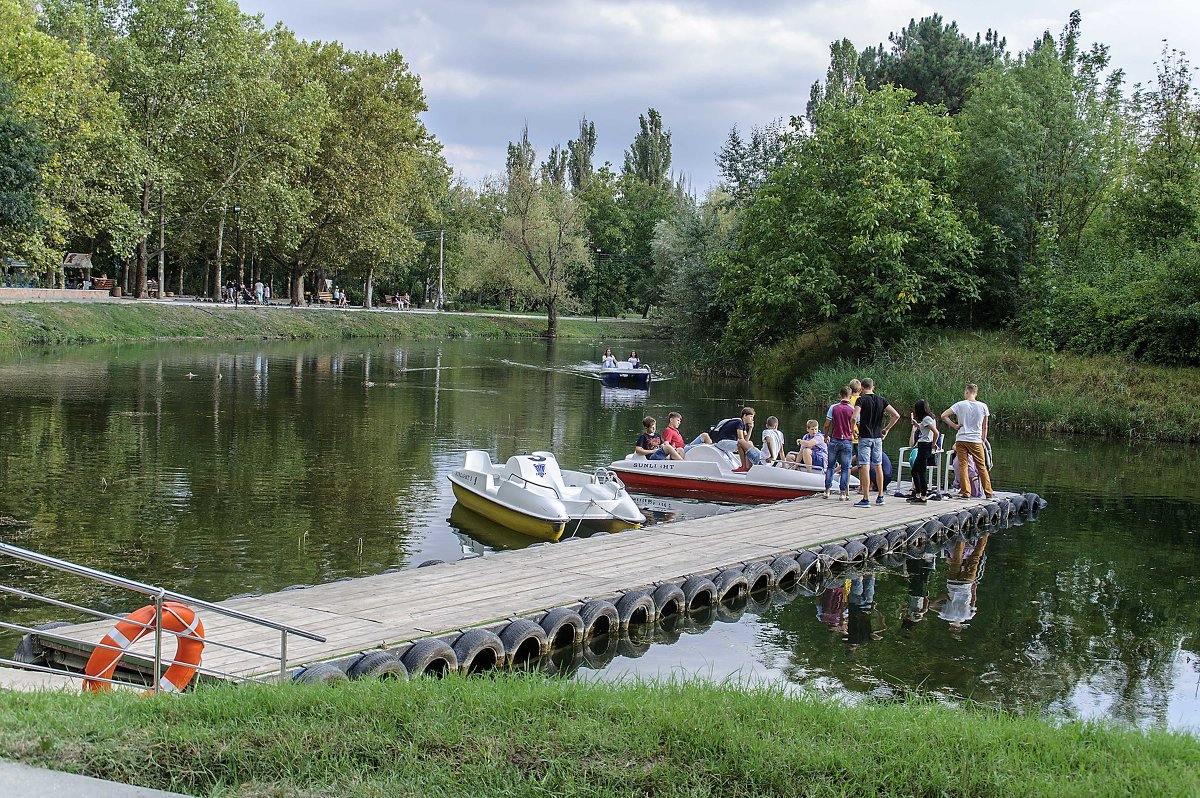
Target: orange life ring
x=176, y=618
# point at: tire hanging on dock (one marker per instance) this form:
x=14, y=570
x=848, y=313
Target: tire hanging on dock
x=479, y=650
x=635, y=607
x=730, y=584
x=524, y=642
x=378, y=665
x=698, y=591
x=599, y=618
x=669, y=600
x=320, y=673
x=759, y=578
x=563, y=627
x=430, y=658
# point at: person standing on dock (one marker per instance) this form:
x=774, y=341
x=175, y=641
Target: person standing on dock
x=972, y=426
x=872, y=430
x=839, y=429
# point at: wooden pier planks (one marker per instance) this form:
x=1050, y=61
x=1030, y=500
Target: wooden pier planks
x=390, y=609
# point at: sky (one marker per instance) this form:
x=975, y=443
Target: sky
x=490, y=68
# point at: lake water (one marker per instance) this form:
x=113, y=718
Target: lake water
x=217, y=470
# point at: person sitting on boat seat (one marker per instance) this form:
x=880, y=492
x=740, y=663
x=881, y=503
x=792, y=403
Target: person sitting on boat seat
x=772, y=442
x=633, y=359
x=608, y=361
x=733, y=435
x=650, y=444
x=814, y=450
x=672, y=436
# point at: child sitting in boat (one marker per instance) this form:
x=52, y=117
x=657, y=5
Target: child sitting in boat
x=814, y=450
x=650, y=444
x=608, y=361
x=772, y=442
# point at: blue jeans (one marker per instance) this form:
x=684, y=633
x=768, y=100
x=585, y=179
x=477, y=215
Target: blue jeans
x=839, y=452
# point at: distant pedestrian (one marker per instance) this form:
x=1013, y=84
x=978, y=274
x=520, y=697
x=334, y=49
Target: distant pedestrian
x=872, y=430
x=267, y=294
x=971, y=423
x=258, y=291
x=839, y=429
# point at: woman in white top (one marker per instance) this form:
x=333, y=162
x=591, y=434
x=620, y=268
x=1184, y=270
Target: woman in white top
x=925, y=431
x=608, y=361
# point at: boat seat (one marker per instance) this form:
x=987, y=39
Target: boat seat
x=478, y=460
x=540, y=468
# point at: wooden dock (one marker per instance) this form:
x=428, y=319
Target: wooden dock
x=391, y=609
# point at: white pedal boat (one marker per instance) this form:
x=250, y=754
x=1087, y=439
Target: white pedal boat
x=530, y=494
x=708, y=472
x=626, y=375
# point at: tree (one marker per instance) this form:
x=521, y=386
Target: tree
x=857, y=227
x=1043, y=139
x=843, y=81
x=22, y=154
x=541, y=226
x=692, y=248
x=933, y=60
x=579, y=155
x=60, y=88
x=646, y=197
x=746, y=165
x=648, y=159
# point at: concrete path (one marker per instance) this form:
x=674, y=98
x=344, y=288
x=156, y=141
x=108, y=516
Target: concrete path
x=23, y=780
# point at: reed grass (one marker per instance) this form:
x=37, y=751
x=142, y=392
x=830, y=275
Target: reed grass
x=525, y=735
x=78, y=323
x=1064, y=393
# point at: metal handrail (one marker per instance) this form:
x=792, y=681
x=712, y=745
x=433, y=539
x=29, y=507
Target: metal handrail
x=159, y=596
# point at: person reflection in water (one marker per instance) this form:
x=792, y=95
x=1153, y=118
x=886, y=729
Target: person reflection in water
x=861, y=606
x=960, y=601
x=918, y=569
x=831, y=604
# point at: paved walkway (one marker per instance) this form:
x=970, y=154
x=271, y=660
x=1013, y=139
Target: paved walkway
x=22, y=780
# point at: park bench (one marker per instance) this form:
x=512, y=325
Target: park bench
x=325, y=297
x=101, y=284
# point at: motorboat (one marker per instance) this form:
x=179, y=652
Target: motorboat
x=530, y=494
x=626, y=375
x=708, y=471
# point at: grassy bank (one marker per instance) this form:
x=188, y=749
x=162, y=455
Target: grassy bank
x=530, y=736
x=1093, y=395
x=78, y=323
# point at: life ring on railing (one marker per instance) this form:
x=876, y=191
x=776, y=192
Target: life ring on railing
x=177, y=618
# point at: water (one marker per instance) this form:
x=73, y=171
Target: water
x=298, y=463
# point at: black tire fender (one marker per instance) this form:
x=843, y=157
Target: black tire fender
x=479, y=650
x=759, y=577
x=950, y=521
x=856, y=552
x=320, y=673
x=635, y=607
x=599, y=618
x=730, y=584
x=30, y=650
x=896, y=538
x=698, y=591
x=787, y=572
x=668, y=600
x=524, y=642
x=876, y=545
x=563, y=627
x=378, y=665
x=834, y=556
x=809, y=563
x=430, y=658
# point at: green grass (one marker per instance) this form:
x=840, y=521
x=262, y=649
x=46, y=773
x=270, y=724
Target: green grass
x=1067, y=393
x=525, y=735
x=76, y=323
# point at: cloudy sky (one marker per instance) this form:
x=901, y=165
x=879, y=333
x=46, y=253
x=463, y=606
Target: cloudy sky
x=488, y=68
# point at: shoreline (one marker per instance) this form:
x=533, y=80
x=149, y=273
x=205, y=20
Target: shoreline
x=41, y=323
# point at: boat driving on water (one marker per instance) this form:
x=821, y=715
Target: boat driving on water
x=711, y=472
x=623, y=374
x=530, y=494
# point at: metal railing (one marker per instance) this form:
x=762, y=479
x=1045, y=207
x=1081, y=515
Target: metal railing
x=158, y=596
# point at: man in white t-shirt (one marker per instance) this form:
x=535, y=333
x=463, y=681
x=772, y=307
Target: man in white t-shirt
x=972, y=424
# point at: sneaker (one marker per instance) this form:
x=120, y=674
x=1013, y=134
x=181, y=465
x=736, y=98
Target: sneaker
x=862, y=503
x=845, y=497
x=825, y=494
x=879, y=500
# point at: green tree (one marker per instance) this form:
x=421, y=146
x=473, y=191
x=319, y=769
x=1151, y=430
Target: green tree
x=746, y=165
x=858, y=226
x=1044, y=138
x=60, y=87
x=692, y=247
x=648, y=158
x=580, y=152
x=935, y=61
x=646, y=196
x=22, y=154
x=843, y=81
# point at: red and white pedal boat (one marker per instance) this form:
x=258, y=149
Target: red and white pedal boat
x=709, y=472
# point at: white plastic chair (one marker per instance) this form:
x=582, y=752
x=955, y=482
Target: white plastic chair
x=938, y=470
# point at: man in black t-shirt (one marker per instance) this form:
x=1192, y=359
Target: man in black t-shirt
x=870, y=413
x=733, y=435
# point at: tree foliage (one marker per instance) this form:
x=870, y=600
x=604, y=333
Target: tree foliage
x=857, y=226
